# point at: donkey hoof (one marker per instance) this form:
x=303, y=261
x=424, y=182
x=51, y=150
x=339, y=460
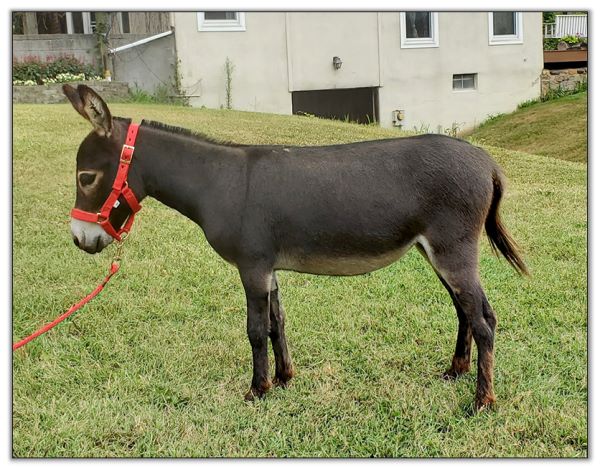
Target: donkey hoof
x=282, y=379
x=459, y=367
x=485, y=402
x=281, y=382
x=257, y=393
x=450, y=374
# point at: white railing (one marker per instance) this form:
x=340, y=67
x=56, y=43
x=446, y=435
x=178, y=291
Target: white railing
x=571, y=25
x=549, y=29
x=567, y=25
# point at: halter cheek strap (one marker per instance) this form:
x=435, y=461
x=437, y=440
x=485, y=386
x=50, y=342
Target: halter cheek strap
x=119, y=188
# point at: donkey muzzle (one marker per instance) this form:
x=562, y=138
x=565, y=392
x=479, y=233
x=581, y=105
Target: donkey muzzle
x=90, y=237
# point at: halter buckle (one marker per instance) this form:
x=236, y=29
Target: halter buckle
x=126, y=157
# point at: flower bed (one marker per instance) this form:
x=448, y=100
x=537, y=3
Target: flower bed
x=33, y=71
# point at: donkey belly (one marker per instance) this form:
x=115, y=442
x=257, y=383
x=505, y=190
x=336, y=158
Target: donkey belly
x=338, y=264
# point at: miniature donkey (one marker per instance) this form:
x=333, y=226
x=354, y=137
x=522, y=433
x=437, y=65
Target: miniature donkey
x=329, y=210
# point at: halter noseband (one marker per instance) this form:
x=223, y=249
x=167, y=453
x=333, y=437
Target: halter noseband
x=120, y=187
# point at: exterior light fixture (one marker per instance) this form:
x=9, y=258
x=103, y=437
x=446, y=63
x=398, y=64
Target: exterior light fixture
x=337, y=63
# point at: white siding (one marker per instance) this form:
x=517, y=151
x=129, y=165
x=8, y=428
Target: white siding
x=282, y=52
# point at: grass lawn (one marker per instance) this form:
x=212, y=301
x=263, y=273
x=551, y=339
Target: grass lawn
x=157, y=365
x=556, y=128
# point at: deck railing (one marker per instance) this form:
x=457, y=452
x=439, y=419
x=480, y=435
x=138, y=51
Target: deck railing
x=566, y=25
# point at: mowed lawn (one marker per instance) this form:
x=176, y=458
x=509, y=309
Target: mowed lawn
x=556, y=128
x=157, y=365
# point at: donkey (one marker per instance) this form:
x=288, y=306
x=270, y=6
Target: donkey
x=329, y=210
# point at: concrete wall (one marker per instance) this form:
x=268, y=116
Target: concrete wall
x=82, y=46
x=283, y=52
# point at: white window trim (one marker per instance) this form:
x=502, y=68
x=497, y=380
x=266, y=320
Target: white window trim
x=87, y=22
x=419, y=42
x=120, y=22
x=238, y=24
x=506, y=38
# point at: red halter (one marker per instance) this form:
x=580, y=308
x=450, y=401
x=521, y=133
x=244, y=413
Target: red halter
x=120, y=187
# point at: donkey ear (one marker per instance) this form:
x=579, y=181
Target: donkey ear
x=91, y=106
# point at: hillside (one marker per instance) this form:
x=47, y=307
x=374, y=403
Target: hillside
x=556, y=128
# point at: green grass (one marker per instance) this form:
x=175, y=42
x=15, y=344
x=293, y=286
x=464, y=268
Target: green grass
x=555, y=128
x=157, y=365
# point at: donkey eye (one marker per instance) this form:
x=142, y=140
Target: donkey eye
x=86, y=179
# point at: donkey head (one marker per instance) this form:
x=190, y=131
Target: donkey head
x=97, y=163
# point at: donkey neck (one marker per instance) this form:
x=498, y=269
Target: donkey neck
x=183, y=171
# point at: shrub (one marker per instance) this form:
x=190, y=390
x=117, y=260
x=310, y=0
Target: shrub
x=551, y=43
x=52, y=70
x=571, y=39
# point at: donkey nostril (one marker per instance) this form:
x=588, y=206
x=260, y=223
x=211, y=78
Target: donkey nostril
x=76, y=241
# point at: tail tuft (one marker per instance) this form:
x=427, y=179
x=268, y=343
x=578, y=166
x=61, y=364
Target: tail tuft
x=500, y=240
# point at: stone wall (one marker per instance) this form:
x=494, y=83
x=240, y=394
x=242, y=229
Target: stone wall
x=52, y=94
x=565, y=79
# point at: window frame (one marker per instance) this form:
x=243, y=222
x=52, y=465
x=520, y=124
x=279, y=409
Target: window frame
x=420, y=42
x=504, y=39
x=239, y=24
x=462, y=75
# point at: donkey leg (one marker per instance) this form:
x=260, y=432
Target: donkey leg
x=461, y=361
x=284, y=371
x=458, y=267
x=482, y=319
x=257, y=285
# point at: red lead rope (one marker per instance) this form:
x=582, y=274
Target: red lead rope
x=114, y=268
x=120, y=187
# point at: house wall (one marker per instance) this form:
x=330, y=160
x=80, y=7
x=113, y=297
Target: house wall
x=147, y=66
x=283, y=52
x=148, y=22
x=314, y=38
x=419, y=81
x=259, y=57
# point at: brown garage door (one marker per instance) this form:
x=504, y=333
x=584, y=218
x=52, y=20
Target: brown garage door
x=349, y=104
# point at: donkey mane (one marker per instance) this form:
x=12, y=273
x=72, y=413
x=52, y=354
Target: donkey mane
x=187, y=133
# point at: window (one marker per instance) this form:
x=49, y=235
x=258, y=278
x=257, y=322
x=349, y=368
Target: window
x=418, y=29
x=93, y=21
x=51, y=22
x=505, y=27
x=221, y=21
x=76, y=22
x=464, y=81
x=125, y=28
x=18, y=26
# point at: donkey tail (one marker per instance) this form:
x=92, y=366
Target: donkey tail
x=500, y=239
